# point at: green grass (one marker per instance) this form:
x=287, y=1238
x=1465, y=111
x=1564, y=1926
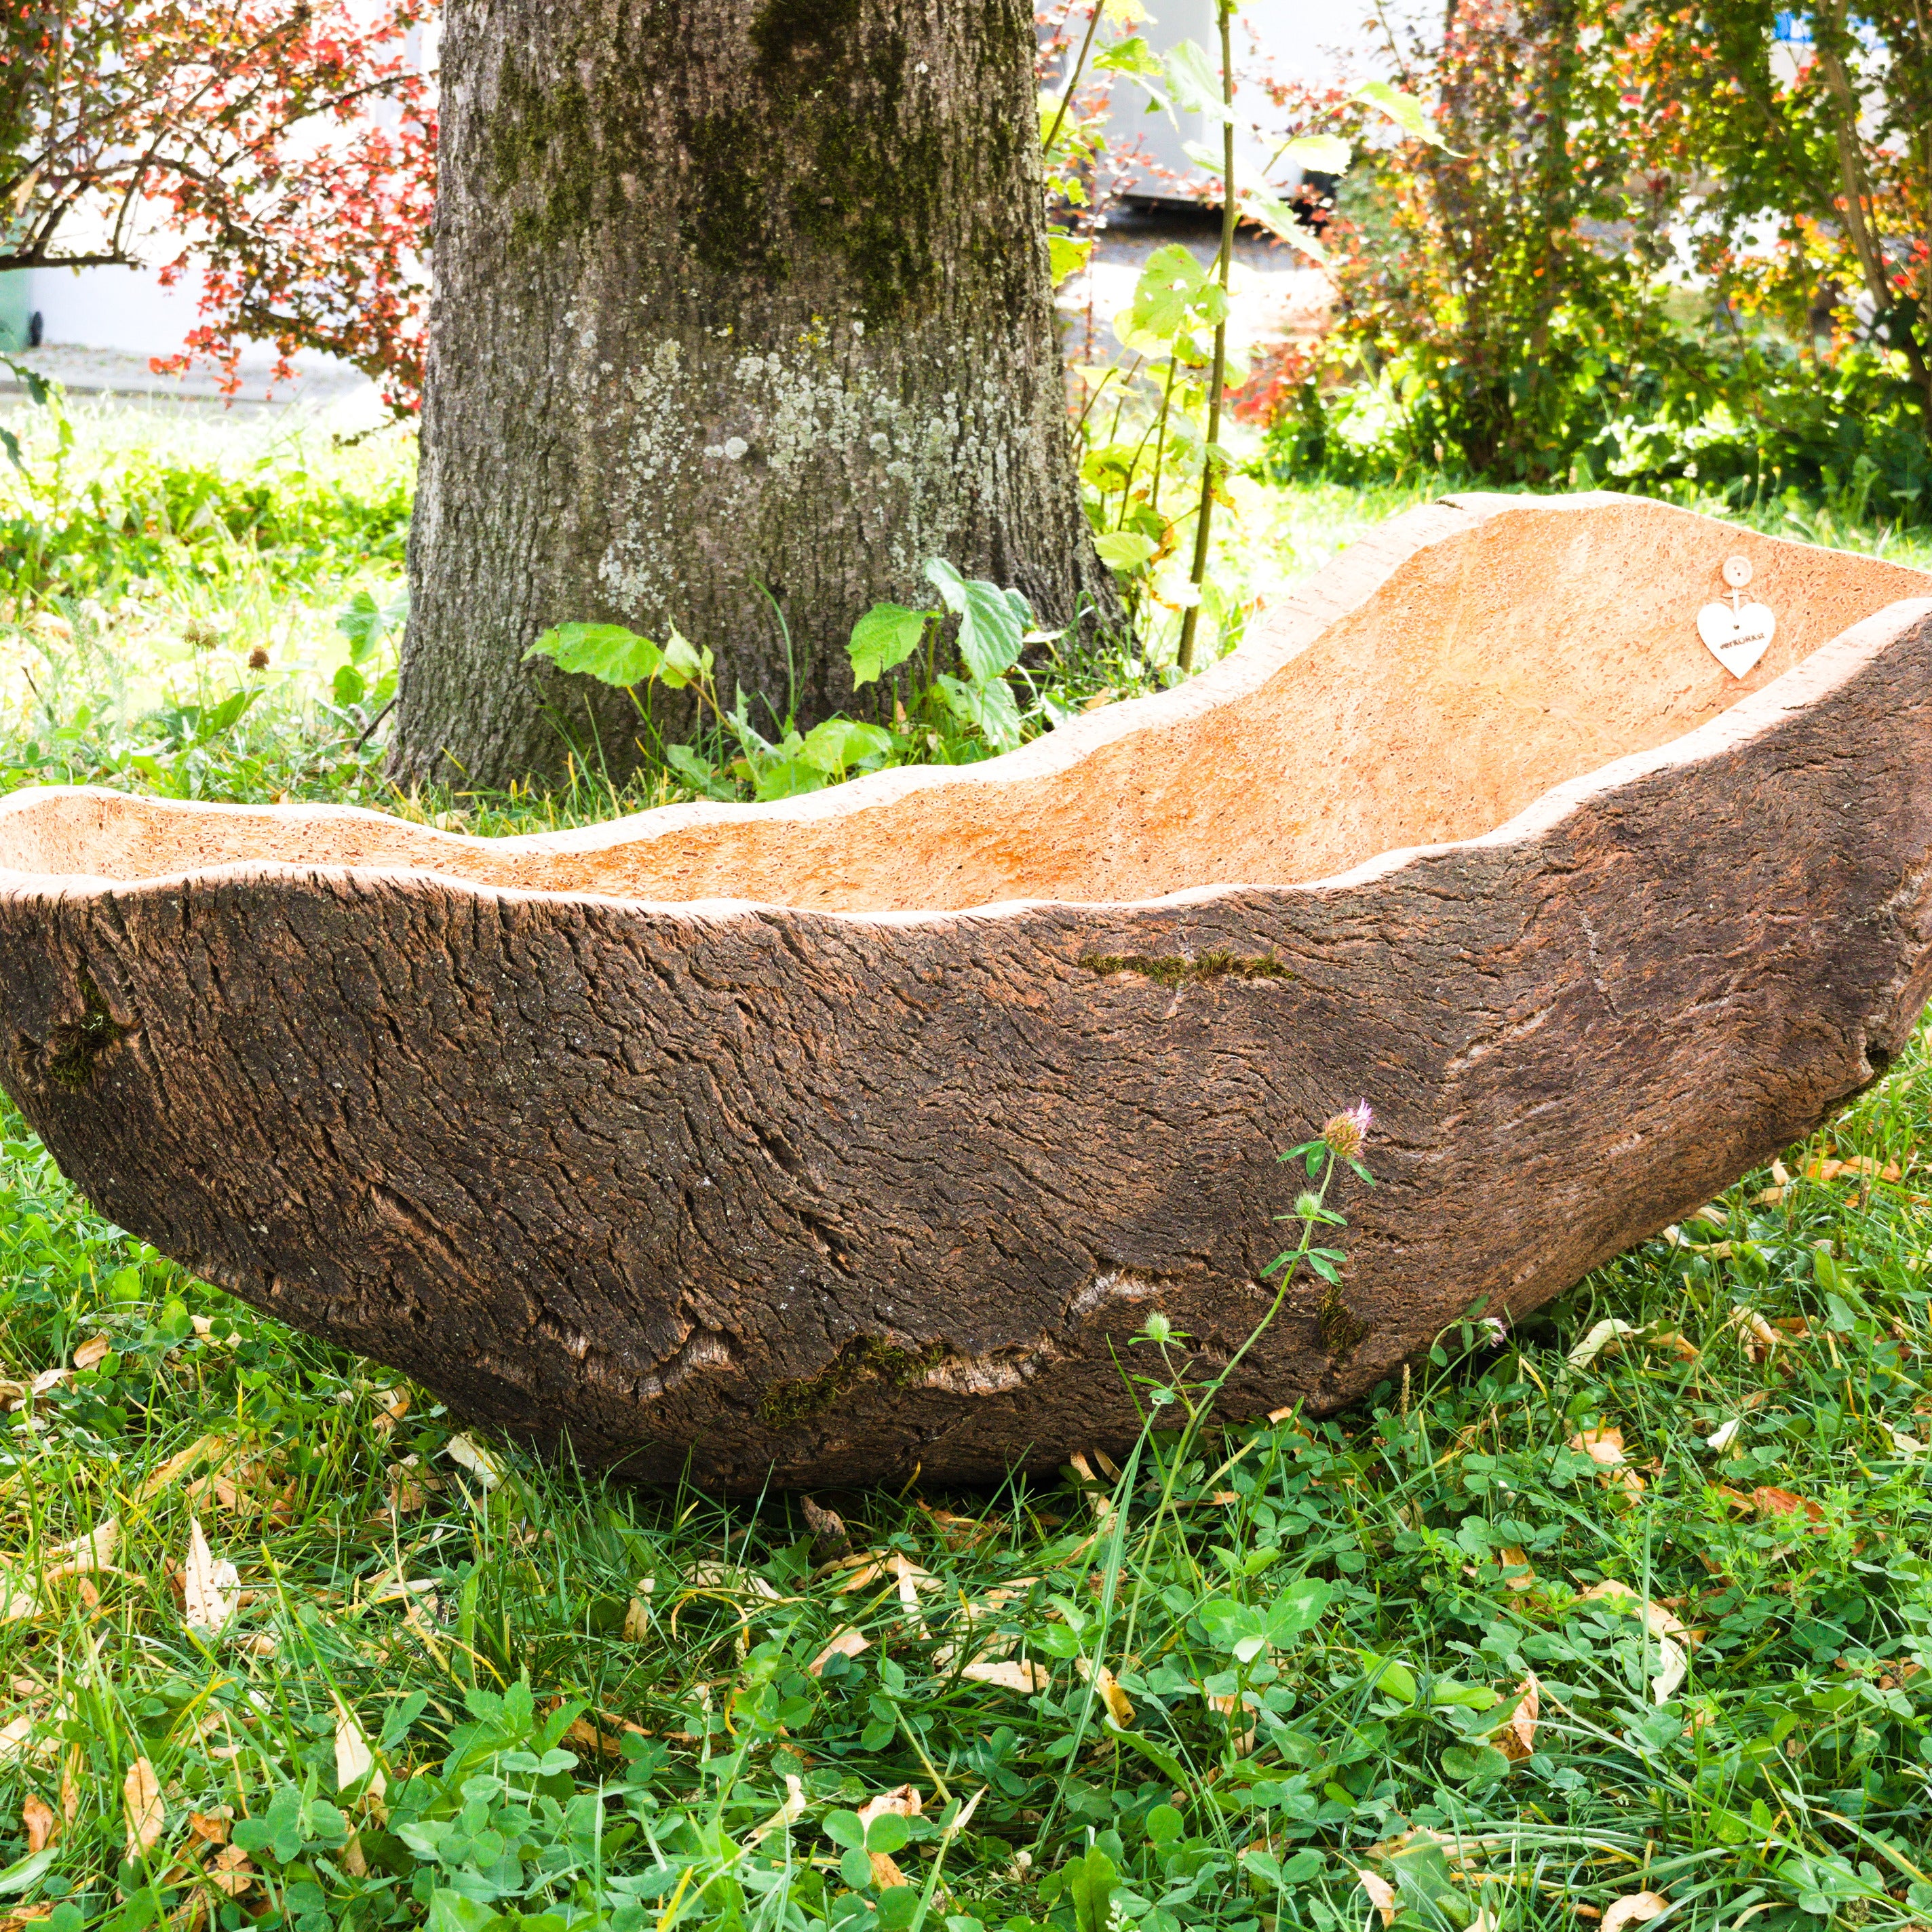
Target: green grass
x=589, y=1705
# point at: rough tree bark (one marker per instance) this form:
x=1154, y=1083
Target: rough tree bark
x=732, y=297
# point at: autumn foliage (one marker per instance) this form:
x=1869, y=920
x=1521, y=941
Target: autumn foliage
x=287, y=152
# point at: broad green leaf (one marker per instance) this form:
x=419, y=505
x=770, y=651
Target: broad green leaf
x=1090, y=1883
x=992, y=627
x=888, y=1833
x=450, y=1912
x=1194, y=83
x=1203, y=156
x=1480, y=1764
x=1124, y=550
x=1278, y=219
x=1067, y=256
x=18, y=1876
x=840, y=742
x=785, y=777
x=988, y=708
x=856, y=1869
x=609, y=652
x=1129, y=56
x=1297, y=1610
x=1404, y=109
x=887, y=635
x=1174, y=292
x=1326, y=154
x=684, y=663
x=1390, y=1679
x=1445, y=1690
x=347, y=686
x=843, y=1828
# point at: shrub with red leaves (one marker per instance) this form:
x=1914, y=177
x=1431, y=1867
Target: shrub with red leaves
x=288, y=152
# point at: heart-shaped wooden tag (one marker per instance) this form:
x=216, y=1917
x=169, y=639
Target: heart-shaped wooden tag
x=1737, y=638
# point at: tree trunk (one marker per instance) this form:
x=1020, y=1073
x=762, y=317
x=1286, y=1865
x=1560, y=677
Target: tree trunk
x=733, y=297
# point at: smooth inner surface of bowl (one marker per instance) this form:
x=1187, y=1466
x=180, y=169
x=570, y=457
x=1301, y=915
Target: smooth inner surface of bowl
x=1383, y=708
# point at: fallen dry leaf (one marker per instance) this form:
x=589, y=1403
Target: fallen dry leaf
x=1756, y=1336
x=1103, y=1680
x=212, y=1828
x=730, y=1578
x=1768, y=1501
x=1381, y=1894
x=141, y=1804
x=39, y=1821
x=637, y=1620
x=1604, y=1446
x=796, y=1805
x=13, y=1736
x=392, y=1405
x=173, y=1468
x=1605, y=1339
x=355, y=1761
x=95, y=1349
x=1861, y=1167
x=229, y=1871
x=1721, y=1438
x=94, y=1551
x=1636, y=1908
x=1514, y=1559
x=467, y=1453
x=1027, y=1677
x=829, y=1536
x=210, y=1588
x=18, y=1601
x=848, y=1642
x=1517, y=1739
x=1905, y=1444
x=1682, y=1346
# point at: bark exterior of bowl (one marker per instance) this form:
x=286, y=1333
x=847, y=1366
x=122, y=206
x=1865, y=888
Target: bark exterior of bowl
x=818, y=1197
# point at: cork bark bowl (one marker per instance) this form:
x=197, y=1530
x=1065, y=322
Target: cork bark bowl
x=825, y=1141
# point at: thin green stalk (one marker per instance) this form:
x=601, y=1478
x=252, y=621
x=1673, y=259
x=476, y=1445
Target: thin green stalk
x=1197, y=575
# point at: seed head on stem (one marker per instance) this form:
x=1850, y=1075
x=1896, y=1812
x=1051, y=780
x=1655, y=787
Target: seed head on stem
x=1348, y=1133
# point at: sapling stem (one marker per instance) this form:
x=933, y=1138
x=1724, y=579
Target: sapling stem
x=1224, y=265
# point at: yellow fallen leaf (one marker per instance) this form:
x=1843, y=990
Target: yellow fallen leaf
x=848, y=1642
x=141, y=1804
x=13, y=1736
x=467, y=1453
x=92, y=1352
x=94, y=1551
x=1636, y=1908
x=1103, y=1680
x=18, y=1601
x=39, y=1821
x=1381, y=1894
x=637, y=1620
x=1905, y=1444
x=1029, y=1678
x=794, y=1808
x=210, y=1588
x=229, y=1871
x=1605, y=1338
x=1513, y=1558
x=1518, y=1737
x=153, y=1484
x=355, y=1761
x=1604, y=1446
